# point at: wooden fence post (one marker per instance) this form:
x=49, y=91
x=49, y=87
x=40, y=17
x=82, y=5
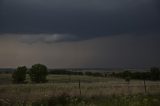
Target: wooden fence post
x=145, y=87
x=80, y=87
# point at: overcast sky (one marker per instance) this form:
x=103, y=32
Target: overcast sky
x=80, y=33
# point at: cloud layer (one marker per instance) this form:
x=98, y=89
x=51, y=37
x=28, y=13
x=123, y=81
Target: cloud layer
x=47, y=38
x=83, y=19
x=92, y=33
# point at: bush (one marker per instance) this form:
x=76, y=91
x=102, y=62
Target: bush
x=38, y=73
x=19, y=75
x=155, y=73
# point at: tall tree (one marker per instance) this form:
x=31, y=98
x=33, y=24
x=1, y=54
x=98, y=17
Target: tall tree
x=19, y=75
x=38, y=73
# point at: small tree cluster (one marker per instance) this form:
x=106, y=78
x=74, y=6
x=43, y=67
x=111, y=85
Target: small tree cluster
x=38, y=74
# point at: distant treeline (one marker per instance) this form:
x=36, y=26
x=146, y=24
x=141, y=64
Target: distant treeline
x=153, y=74
x=6, y=70
x=64, y=72
x=70, y=72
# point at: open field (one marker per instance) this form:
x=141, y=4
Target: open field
x=90, y=87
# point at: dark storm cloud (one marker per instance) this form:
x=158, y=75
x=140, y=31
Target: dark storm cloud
x=84, y=19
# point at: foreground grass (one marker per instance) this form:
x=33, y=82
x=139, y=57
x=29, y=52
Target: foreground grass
x=66, y=100
x=134, y=100
x=63, y=90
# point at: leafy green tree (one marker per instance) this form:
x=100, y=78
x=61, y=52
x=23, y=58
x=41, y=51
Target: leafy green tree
x=38, y=73
x=19, y=75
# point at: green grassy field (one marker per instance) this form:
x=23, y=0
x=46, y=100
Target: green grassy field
x=93, y=91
